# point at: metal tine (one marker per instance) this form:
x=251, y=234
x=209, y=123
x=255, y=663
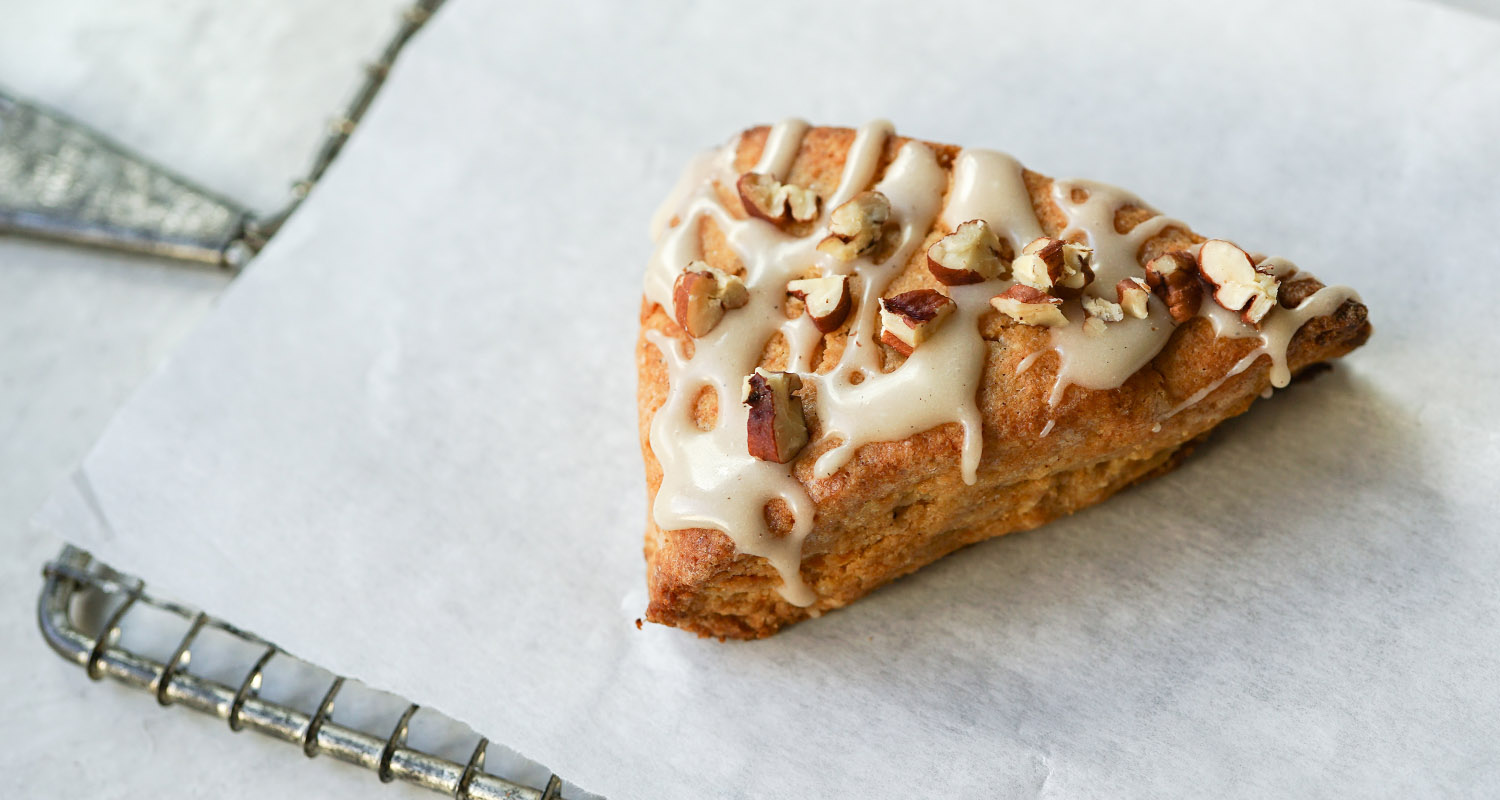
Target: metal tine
x=250, y=687
x=473, y=768
x=314, y=725
x=179, y=609
x=88, y=578
x=112, y=630
x=135, y=591
x=96, y=579
x=180, y=658
x=397, y=738
x=235, y=631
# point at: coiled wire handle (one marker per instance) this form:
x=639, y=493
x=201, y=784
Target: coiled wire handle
x=75, y=576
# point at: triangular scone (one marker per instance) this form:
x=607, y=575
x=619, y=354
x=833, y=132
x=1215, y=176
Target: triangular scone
x=794, y=313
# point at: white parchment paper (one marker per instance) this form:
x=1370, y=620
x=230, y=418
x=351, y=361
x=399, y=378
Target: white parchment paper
x=419, y=404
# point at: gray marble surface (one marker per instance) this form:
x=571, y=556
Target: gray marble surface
x=1488, y=8
x=235, y=96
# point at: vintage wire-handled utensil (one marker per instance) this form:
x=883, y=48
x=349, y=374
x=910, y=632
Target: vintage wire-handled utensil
x=62, y=181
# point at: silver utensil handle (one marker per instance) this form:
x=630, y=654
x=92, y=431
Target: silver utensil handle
x=61, y=181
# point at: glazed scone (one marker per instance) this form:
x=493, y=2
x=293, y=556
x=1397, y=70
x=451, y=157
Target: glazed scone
x=861, y=352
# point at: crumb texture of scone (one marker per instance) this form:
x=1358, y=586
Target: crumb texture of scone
x=860, y=352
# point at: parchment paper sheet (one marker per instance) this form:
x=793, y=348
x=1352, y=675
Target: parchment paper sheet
x=419, y=403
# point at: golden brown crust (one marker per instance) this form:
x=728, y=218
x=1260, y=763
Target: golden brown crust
x=897, y=506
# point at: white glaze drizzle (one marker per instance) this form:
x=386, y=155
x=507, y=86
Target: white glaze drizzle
x=939, y=382
x=1275, y=336
x=708, y=477
x=698, y=169
x=861, y=162
x=990, y=186
x=675, y=243
x=709, y=480
x=782, y=144
x=1105, y=362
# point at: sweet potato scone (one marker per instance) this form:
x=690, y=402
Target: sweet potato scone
x=861, y=352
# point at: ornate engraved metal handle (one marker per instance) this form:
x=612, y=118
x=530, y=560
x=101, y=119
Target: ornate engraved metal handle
x=62, y=181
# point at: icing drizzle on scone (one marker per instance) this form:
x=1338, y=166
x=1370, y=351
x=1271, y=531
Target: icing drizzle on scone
x=1085, y=286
